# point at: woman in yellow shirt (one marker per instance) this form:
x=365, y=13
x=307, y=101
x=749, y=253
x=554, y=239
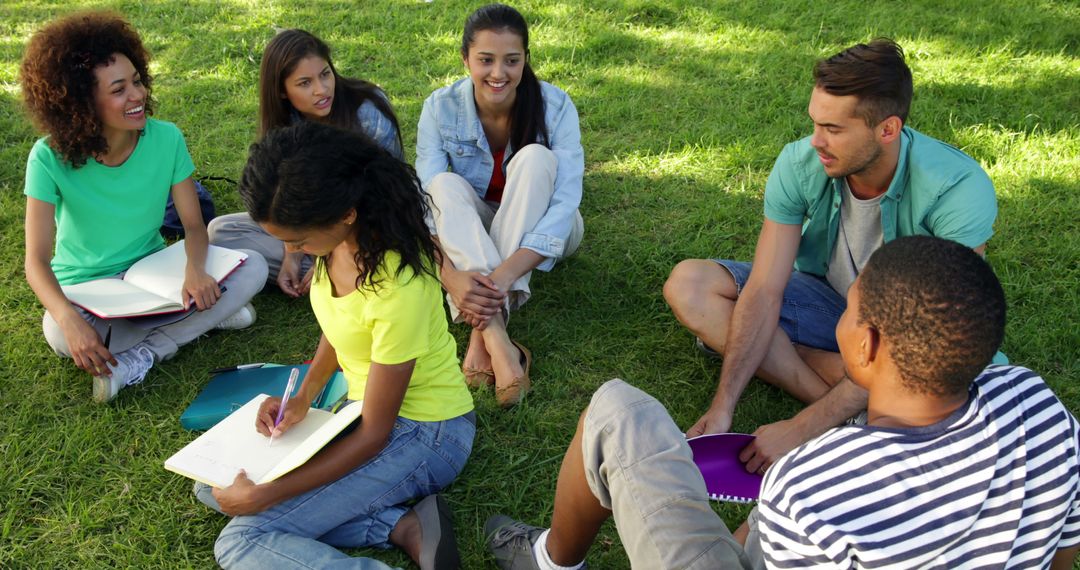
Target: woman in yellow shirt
x=338, y=196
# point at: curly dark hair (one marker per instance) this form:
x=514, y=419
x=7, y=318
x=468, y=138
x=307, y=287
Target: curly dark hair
x=58, y=79
x=939, y=305
x=309, y=175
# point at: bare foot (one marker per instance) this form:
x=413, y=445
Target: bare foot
x=476, y=356
x=505, y=357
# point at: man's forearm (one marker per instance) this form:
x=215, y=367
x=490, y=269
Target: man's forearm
x=842, y=402
x=753, y=323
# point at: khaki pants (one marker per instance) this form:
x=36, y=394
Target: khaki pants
x=478, y=236
x=638, y=464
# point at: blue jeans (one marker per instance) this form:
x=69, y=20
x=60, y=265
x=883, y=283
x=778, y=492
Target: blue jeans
x=809, y=311
x=360, y=509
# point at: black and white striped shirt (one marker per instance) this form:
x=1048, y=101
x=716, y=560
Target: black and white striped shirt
x=995, y=485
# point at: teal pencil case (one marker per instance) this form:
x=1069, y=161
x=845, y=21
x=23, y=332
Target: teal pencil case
x=228, y=391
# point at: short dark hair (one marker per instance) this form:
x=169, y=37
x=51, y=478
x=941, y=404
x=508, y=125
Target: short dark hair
x=309, y=175
x=875, y=73
x=58, y=78
x=940, y=307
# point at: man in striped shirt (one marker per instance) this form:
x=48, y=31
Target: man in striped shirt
x=959, y=466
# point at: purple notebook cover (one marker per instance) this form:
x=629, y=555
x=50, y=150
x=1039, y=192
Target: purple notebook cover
x=726, y=479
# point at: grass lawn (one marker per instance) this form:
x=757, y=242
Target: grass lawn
x=684, y=106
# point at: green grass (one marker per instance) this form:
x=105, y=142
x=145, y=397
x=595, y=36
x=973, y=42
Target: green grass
x=684, y=105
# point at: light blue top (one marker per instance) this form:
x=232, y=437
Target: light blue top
x=450, y=137
x=937, y=190
x=374, y=124
x=379, y=127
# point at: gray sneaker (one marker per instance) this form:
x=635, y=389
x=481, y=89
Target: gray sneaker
x=511, y=542
x=706, y=349
x=438, y=546
x=131, y=367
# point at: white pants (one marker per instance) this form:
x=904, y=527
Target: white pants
x=478, y=235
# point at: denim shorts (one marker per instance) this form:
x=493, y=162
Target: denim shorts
x=810, y=309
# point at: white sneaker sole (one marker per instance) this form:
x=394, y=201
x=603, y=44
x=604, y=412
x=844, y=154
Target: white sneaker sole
x=103, y=389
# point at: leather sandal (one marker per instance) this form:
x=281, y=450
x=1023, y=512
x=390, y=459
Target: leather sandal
x=512, y=393
x=476, y=378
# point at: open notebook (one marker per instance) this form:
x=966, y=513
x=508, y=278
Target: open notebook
x=726, y=479
x=233, y=444
x=152, y=285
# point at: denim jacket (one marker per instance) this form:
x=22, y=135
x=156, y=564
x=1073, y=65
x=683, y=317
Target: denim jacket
x=450, y=137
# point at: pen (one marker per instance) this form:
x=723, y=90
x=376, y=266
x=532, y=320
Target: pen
x=284, y=401
x=238, y=367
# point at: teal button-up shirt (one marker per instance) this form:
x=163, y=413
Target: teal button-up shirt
x=937, y=190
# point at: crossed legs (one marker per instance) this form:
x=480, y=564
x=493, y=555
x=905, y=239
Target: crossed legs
x=702, y=295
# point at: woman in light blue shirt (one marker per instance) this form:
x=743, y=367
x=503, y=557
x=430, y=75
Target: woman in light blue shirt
x=499, y=153
x=298, y=82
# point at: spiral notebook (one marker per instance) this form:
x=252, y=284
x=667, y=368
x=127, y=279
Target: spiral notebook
x=726, y=479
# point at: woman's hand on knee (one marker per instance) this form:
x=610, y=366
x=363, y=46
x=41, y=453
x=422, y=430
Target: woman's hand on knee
x=86, y=348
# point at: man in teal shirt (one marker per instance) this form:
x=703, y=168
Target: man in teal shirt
x=862, y=179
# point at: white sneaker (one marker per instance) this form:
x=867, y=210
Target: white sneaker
x=131, y=367
x=241, y=319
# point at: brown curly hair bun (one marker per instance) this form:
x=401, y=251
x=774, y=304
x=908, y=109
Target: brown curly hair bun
x=58, y=81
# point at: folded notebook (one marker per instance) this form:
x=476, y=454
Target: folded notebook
x=229, y=391
x=726, y=479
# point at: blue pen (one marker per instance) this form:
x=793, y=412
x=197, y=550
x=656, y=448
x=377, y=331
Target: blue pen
x=284, y=401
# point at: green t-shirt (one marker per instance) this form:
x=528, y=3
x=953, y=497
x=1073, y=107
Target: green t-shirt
x=402, y=321
x=937, y=190
x=108, y=217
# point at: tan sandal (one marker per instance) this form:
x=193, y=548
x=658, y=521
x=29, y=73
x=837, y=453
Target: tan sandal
x=512, y=393
x=476, y=378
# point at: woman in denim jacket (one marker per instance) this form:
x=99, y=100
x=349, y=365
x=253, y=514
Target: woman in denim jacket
x=499, y=154
x=298, y=81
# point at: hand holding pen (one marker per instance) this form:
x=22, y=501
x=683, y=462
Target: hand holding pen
x=284, y=402
x=277, y=415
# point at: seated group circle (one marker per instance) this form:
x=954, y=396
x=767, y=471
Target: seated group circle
x=862, y=215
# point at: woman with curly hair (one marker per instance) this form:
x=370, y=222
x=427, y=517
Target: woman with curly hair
x=509, y=203
x=298, y=82
x=96, y=188
x=337, y=196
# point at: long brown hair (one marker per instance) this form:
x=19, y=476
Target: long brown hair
x=279, y=60
x=527, y=123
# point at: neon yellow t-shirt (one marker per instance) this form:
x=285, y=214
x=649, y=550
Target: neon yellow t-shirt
x=403, y=320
